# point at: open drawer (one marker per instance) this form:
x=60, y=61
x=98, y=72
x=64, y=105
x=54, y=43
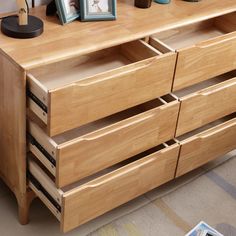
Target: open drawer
x=92, y=197
x=206, y=143
x=205, y=49
x=68, y=94
x=81, y=152
x=206, y=101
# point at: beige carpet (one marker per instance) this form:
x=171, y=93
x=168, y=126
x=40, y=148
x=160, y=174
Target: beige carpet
x=208, y=193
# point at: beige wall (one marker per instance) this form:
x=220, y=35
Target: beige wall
x=10, y=5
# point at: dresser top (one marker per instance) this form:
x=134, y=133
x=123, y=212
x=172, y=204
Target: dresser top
x=61, y=42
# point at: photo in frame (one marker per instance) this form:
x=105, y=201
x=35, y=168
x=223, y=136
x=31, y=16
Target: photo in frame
x=95, y=10
x=67, y=10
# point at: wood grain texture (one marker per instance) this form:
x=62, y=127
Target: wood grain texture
x=219, y=55
x=206, y=146
x=111, y=93
x=147, y=76
x=87, y=154
x=206, y=105
x=118, y=187
x=60, y=42
x=80, y=102
x=13, y=130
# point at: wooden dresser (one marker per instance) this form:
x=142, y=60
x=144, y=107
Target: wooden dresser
x=93, y=115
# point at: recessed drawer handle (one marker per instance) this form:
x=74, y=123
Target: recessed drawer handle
x=120, y=72
x=217, y=89
x=126, y=171
x=216, y=41
x=216, y=130
x=128, y=123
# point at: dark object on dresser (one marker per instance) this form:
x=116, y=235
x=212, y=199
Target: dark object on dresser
x=143, y=3
x=51, y=8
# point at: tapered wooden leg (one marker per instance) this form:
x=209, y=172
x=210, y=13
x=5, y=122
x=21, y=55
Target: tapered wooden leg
x=24, y=203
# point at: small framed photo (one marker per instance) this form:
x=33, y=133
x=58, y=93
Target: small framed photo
x=93, y=10
x=67, y=10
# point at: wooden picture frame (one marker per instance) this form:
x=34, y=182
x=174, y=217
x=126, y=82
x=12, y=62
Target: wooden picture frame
x=97, y=10
x=66, y=12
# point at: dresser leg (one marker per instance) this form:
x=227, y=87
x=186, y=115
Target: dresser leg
x=24, y=205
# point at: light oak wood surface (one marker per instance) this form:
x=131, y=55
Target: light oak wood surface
x=74, y=101
x=211, y=40
x=84, y=201
x=216, y=99
x=13, y=131
x=138, y=73
x=87, y=150
x=60, y=42
x=199, y=148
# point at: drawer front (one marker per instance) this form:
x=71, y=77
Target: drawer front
x=205, y=60
x=88, y=100
x=207, y=105
x=95, y=151
x=206, y=146
x=84, y=102
x=101, y=195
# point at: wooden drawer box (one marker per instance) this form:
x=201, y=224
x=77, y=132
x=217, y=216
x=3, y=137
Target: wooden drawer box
x=206, y=144
x=68, y=94
x=206, y=102
x=89, y=198
x=205, y=49
x=86, y=150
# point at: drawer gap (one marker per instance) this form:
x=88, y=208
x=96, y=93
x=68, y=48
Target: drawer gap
x=169, y=98
x=170, y=142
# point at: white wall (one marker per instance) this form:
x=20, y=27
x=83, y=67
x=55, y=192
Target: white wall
x=10, y=5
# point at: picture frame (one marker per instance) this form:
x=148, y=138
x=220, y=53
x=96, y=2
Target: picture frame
x=97, y=10
x=203, y=229
x=67, y=10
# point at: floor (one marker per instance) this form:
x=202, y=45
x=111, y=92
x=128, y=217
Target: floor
x=208, y=194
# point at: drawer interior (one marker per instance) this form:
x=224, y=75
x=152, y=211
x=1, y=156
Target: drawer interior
x=205, y=84
x=113, y=169
x=189, y=35
x=208, y=127
x=63, y=73
x=108, y=121
x=42, y=182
